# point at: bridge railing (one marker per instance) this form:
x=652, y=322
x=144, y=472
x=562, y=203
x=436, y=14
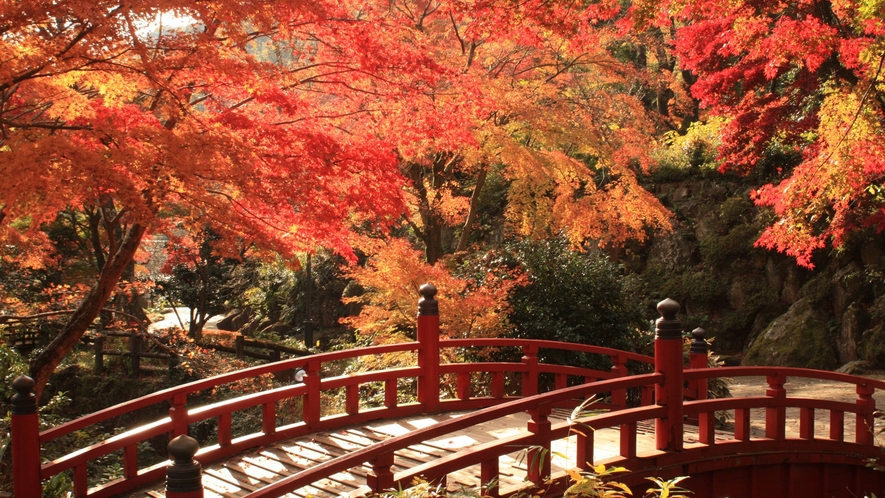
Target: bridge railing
x=421, y=362
x=535, y=443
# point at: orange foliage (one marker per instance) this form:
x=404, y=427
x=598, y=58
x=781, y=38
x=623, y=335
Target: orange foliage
x=392, y=278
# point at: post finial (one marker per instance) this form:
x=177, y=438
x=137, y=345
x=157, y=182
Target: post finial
x=184, y=475
x=698, y=341
x=427, y=305
x=24, y=401
x=668, y=326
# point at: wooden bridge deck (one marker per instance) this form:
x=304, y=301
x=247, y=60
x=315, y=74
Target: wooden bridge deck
x=238, y=476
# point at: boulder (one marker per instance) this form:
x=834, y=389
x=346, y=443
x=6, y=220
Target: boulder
x=848, y=286
x=872, y=346
x=854, y=320
x=800, y=337
x=857, y=367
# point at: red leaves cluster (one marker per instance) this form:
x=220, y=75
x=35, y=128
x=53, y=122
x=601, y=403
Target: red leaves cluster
x=793, y=80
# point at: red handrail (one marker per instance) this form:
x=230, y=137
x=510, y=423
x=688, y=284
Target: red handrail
x=182, y=415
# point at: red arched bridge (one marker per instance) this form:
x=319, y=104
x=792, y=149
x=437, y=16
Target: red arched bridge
x=656, y=424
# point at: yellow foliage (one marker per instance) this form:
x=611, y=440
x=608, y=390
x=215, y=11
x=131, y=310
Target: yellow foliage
x=392, y=278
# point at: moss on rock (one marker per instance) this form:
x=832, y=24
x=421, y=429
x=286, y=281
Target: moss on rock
x=800, y=337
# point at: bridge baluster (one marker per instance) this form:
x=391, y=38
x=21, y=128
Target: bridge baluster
x=184, y=475
x=837, y=425
x=81, y=481
x=628, y=440
x=498, y=384
x=25, y=440
x=669, y=361
x=352, y=399
x=538, y=457
x=225, y=429
x=806, y=423
x=464, y=386
x=742, y=424
x=707, y=427
x=530, y=376
x=380, y=477
x=585, y=447
x=390, y=393
x=311, y=405
x=619, y=369
x=865, y=421
x=776, y=416
x=178, y=414
x=489, y=475
x=130, y=461
x=269, y=417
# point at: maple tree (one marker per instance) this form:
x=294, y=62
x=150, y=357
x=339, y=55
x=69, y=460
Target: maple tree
x=553, y=113
x=244, y=121
x=799, y=86
x=271, y=121
x=469, y=306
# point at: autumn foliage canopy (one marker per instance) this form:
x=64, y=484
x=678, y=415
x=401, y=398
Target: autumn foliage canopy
x=800, y=87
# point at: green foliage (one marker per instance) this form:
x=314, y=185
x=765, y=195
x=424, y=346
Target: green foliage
x=685, y=156
x=571, y=297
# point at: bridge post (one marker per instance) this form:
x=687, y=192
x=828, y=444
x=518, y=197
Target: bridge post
x=669, y=362
x=25, y=440
x=530, y=376
x=697, y=358
x=184, y=477
x=428, y=357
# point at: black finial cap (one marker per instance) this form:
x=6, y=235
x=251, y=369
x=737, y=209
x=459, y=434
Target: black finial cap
x=698, y=341
x=427, y=305
x=184, y=475
x=668, y=326
x=24, y=401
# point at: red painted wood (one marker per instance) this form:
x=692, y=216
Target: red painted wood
x=463, y=385
x=865, y=423
x=488, y=477
x=80, y=481
x=130, y=461
x=837, y=425
x=428, y=360
x=390, y=393
x=269, y=418
x=180, y=416
x=628, y=440
x=225, y=429
x=352, y=399
x=584, y=447
x=497, y=385
x=312, y=400
x=26, y=455
x=668, y=361
x=530, y=377
x=806, y=423
x=380, y=477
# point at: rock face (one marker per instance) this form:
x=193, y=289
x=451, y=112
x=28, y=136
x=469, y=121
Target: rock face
x=872, y=347
x=800, y=337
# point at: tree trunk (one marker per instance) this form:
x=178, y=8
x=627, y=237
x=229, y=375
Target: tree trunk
x=474, y=207
x=46, y=362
